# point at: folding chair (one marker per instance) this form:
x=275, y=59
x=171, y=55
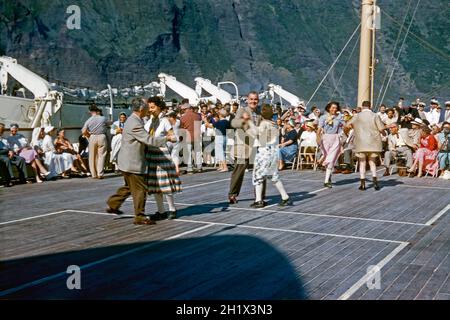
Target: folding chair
x=399, y=163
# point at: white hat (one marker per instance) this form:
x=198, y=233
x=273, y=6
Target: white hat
x=49, y=129
x=423, y=104
x=447, y=103
x=434, y=101
x=417, y=121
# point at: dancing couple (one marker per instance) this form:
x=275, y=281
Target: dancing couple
x=144, y=162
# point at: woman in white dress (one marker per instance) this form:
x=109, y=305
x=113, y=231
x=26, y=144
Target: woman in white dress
x=267, y=157
x=58, y=164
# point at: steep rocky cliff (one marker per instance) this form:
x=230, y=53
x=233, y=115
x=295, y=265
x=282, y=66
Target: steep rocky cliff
x=251, y=42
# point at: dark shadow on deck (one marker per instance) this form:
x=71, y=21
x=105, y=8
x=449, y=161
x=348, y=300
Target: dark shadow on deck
x=210, y=267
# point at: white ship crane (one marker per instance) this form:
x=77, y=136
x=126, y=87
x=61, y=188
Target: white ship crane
x=168, y=81
x=31, y=113
x=215, y=91
x=277, y=90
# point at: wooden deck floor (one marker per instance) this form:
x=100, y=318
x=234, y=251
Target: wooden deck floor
x=320, y=248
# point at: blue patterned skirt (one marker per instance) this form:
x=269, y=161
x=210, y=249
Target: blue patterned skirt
x=266, y=165
x=161, y=175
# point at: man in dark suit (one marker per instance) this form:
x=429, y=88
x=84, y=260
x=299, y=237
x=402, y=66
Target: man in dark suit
x=243, y=148
x=131, y=162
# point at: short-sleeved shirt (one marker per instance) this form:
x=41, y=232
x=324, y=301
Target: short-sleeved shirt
x=95, y=125
x=291, y=135
x=335, y=127
x=222, y=126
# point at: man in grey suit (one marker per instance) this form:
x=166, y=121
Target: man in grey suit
x=368, y=129
x=131, y=162
x=243, y=147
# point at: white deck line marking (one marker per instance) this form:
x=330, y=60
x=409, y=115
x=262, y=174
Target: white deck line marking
x=438, y=215
x=302, y=214
x=312, y=192
x=291, y=231
x=94, y=263
x=265, y=228
x=204, y=184
x=346, y=295
x=33, y=217
x=422, y=187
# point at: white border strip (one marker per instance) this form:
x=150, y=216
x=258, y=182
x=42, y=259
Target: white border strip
x=301, y=213
x=290, y=231
x=438, y=215
x=94, y=263
x=312, y=192
x=34, y=217
x=346, y=295
x=204, y=184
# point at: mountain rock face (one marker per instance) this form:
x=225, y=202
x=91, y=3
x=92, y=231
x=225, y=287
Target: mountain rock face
x=251, y=42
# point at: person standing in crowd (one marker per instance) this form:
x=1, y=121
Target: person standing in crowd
x=221, y=126
x=445, y=113
x=162, y=178
x=95, y=129
x=382, y=113
x=434, y=114
x=330, y=127
x=191, y=123
x=267, y=157
x=20, y=146
x=174, y=147
x=421, y=110
x=116, y=132
x=368, y=129
x=406, y=115
x=244, y=144
x=132, y=164
x=9, y=159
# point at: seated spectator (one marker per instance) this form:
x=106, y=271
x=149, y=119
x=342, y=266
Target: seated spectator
x=427, y=152
x=20, y=146
x=9, y=159
x=444, y=148
x=58, y=164
x=399, y=144
x=288, y=147
x=63, y=146
x=390, y=117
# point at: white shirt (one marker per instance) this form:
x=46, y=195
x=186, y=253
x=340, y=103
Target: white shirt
x=308, y=139
x=163, y=127
x=47, y=144
x=433, y=116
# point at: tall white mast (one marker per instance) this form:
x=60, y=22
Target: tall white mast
x=367, y=51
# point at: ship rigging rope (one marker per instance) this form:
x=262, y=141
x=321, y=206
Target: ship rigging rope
x=400, y=51
x=393, y=52
x=345, y=68
x=334, y=63
x=425, y=44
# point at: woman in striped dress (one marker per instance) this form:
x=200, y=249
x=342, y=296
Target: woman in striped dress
x=162, y=178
